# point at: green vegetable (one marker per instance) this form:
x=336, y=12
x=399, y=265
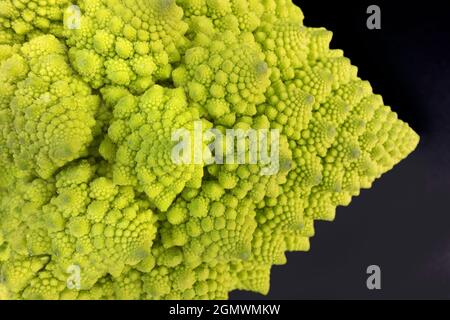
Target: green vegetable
x=92, y=205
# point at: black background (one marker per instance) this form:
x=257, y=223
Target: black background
x=402, y=224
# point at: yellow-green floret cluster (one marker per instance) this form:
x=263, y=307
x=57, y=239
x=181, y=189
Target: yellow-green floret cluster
x=93, y=204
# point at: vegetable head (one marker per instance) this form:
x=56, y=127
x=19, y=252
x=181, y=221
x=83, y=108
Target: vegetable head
x=93, y=201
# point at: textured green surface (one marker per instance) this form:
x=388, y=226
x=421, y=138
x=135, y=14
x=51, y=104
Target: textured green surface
x=86, y=115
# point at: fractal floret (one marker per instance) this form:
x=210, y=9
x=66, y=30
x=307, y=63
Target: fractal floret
x=94, y=205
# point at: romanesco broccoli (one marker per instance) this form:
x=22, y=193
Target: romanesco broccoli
x=87, y=114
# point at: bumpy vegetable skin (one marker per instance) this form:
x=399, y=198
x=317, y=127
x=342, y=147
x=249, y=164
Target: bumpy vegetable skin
x=86, y=116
